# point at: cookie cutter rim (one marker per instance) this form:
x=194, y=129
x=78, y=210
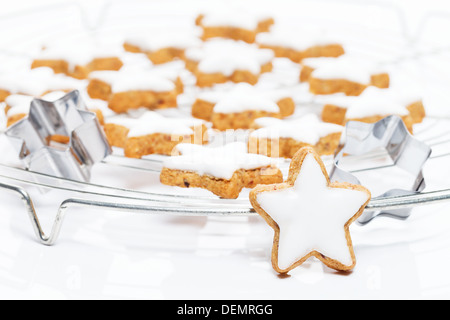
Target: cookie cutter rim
x=66, y=118
x=406, y=152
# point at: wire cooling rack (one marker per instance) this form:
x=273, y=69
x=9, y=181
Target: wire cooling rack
x=388, y=47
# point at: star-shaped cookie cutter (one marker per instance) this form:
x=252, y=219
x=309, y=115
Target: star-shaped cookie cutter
x=405, y=151
x=60, y=138
x=296, y=209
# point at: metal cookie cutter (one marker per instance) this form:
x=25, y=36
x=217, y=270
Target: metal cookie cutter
x=60, y=138
x=405, y=151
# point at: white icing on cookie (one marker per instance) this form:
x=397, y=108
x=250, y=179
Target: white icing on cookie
x=124, y=121
x=221, y=162
x=268, y=122
x=375, y=101
x=308, y=129
x=36, y=82
x=135, y=61
x=152, y=123
x=14, y=63
x=171, y=70
x=405, y=93
x=346, y=67
x=337, y=99
x=275, y=94
x=139, y=64
x=311, y=216
x=243, y=97
x=228, y=56
x=229, y=47
x=228, y=64
x=212, y=95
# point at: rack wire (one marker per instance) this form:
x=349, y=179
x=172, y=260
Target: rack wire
x=17, y=180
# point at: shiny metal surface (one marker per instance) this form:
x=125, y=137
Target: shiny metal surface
x=405, y=151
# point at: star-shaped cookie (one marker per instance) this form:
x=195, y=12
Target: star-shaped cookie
x=310, y=215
